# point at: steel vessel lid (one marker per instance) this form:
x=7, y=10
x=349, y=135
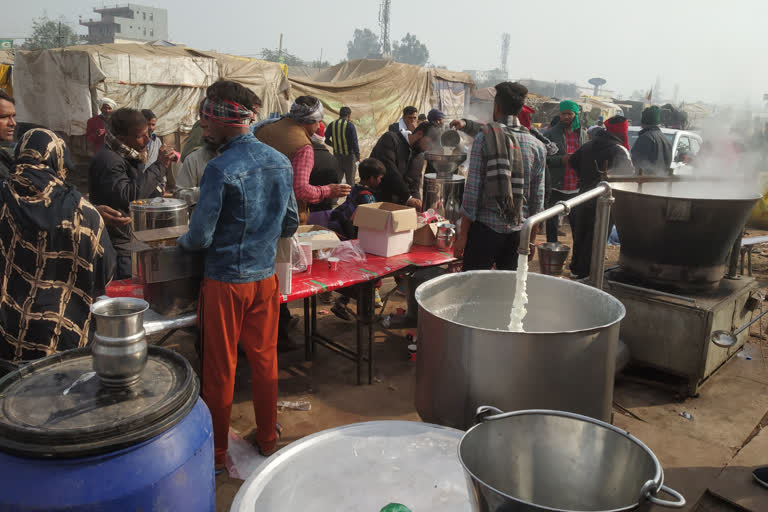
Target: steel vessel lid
x=363, y=466
x=159, y=204
x=56, y=407
x=453, y=177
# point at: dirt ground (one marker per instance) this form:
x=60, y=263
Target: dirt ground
x=715, y=450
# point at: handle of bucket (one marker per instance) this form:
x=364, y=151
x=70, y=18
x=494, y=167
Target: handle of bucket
x=484, y=411
x=679, y=503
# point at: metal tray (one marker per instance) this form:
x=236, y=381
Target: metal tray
x=363, y=466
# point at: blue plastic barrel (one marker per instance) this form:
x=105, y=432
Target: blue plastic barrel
x=170, y=471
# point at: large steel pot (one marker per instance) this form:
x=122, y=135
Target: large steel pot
x=159, y=212
x=444, y=194
x=679, y=235
x=564, y=360
x=539, y=460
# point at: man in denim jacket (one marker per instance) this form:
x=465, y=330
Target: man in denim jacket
x=246, y=204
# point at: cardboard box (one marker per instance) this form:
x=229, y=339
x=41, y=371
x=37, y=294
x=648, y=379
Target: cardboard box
x=321, y=237
x=283, y=265
x=385, y=229
x=426, y=234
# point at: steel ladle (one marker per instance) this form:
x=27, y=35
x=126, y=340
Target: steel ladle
x=727, y=339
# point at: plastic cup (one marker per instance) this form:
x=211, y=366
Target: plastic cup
x=333, y=264
x=307, y=248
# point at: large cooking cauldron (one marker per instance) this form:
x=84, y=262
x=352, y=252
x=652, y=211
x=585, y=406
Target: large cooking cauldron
x=679, y=235
x=467, y=358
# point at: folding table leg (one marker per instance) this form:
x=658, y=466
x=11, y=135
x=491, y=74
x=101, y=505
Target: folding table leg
x=307, y=333
x=313, y=330
x=360, y=321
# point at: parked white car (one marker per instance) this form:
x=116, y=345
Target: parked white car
x=685, y=147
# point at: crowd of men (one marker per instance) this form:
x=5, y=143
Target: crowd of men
x=253, y=183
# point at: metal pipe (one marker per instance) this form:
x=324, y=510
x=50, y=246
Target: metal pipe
x=560, y=207
x=600, y=240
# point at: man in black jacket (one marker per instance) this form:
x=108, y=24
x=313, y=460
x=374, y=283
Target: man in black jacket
x=407, y=123
x=118, y=175
x=394, y=152
x=652, y=152
x=605, y=154
x=325, y=171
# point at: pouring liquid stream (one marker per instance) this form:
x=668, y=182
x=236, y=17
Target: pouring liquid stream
x=518, y=312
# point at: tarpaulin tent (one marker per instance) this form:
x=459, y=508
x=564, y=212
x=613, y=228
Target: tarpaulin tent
x=6, y=68
x=378, y=90
x=61, y=88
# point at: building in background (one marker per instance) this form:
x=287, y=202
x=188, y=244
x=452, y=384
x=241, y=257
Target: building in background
x=127, y=23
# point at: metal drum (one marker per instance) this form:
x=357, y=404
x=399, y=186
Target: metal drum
x=444, y=194
x=553, y=461
x=67, y=442
x=678, y=236
x=364, y=466
x=564, y=360
x=159, y=212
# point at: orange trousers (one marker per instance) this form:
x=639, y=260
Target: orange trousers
x=247, y=312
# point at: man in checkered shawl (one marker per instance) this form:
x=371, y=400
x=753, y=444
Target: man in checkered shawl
x=55, y=254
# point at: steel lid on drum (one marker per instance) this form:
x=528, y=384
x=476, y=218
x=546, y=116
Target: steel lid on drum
x=57, y=407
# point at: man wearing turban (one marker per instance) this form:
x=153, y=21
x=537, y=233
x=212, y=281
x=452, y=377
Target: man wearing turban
x=569, y=136
x=652, y=152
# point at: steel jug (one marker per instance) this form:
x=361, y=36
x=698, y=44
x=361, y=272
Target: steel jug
x=119, y=345
x=446, y=234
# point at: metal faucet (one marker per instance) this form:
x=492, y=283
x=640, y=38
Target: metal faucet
x=600, y=241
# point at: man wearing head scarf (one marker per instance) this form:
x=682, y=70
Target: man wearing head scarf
x=436, y=118
x=290, y=135
x=55, y=251
x=569, y=136
x=652, y=152
x=95, y=128
x=118, y=174
x=606, y=154
x=246, y=204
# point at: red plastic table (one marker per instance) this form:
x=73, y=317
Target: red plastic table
x=361, y=277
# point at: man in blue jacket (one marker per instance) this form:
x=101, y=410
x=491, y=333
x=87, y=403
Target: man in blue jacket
x=246, y=204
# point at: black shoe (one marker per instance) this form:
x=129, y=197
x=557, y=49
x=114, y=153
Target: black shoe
x=341, y=311
x=761, y=476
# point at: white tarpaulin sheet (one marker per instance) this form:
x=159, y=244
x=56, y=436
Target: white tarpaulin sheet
x=61, y=88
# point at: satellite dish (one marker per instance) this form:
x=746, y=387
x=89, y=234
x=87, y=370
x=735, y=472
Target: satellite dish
x=597, y=82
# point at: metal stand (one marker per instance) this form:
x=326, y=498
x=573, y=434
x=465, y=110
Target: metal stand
x=602, y=191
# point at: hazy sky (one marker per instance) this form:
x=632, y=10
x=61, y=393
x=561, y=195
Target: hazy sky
x=715, y=50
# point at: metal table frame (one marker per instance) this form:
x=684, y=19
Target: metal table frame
x=364, y=320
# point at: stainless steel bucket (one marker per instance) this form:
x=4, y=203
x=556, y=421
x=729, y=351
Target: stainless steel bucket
x=444, y=194
x=467, y=358
x=552, y=256
x=119, y=345
x=539, y=460
x=160, y=212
